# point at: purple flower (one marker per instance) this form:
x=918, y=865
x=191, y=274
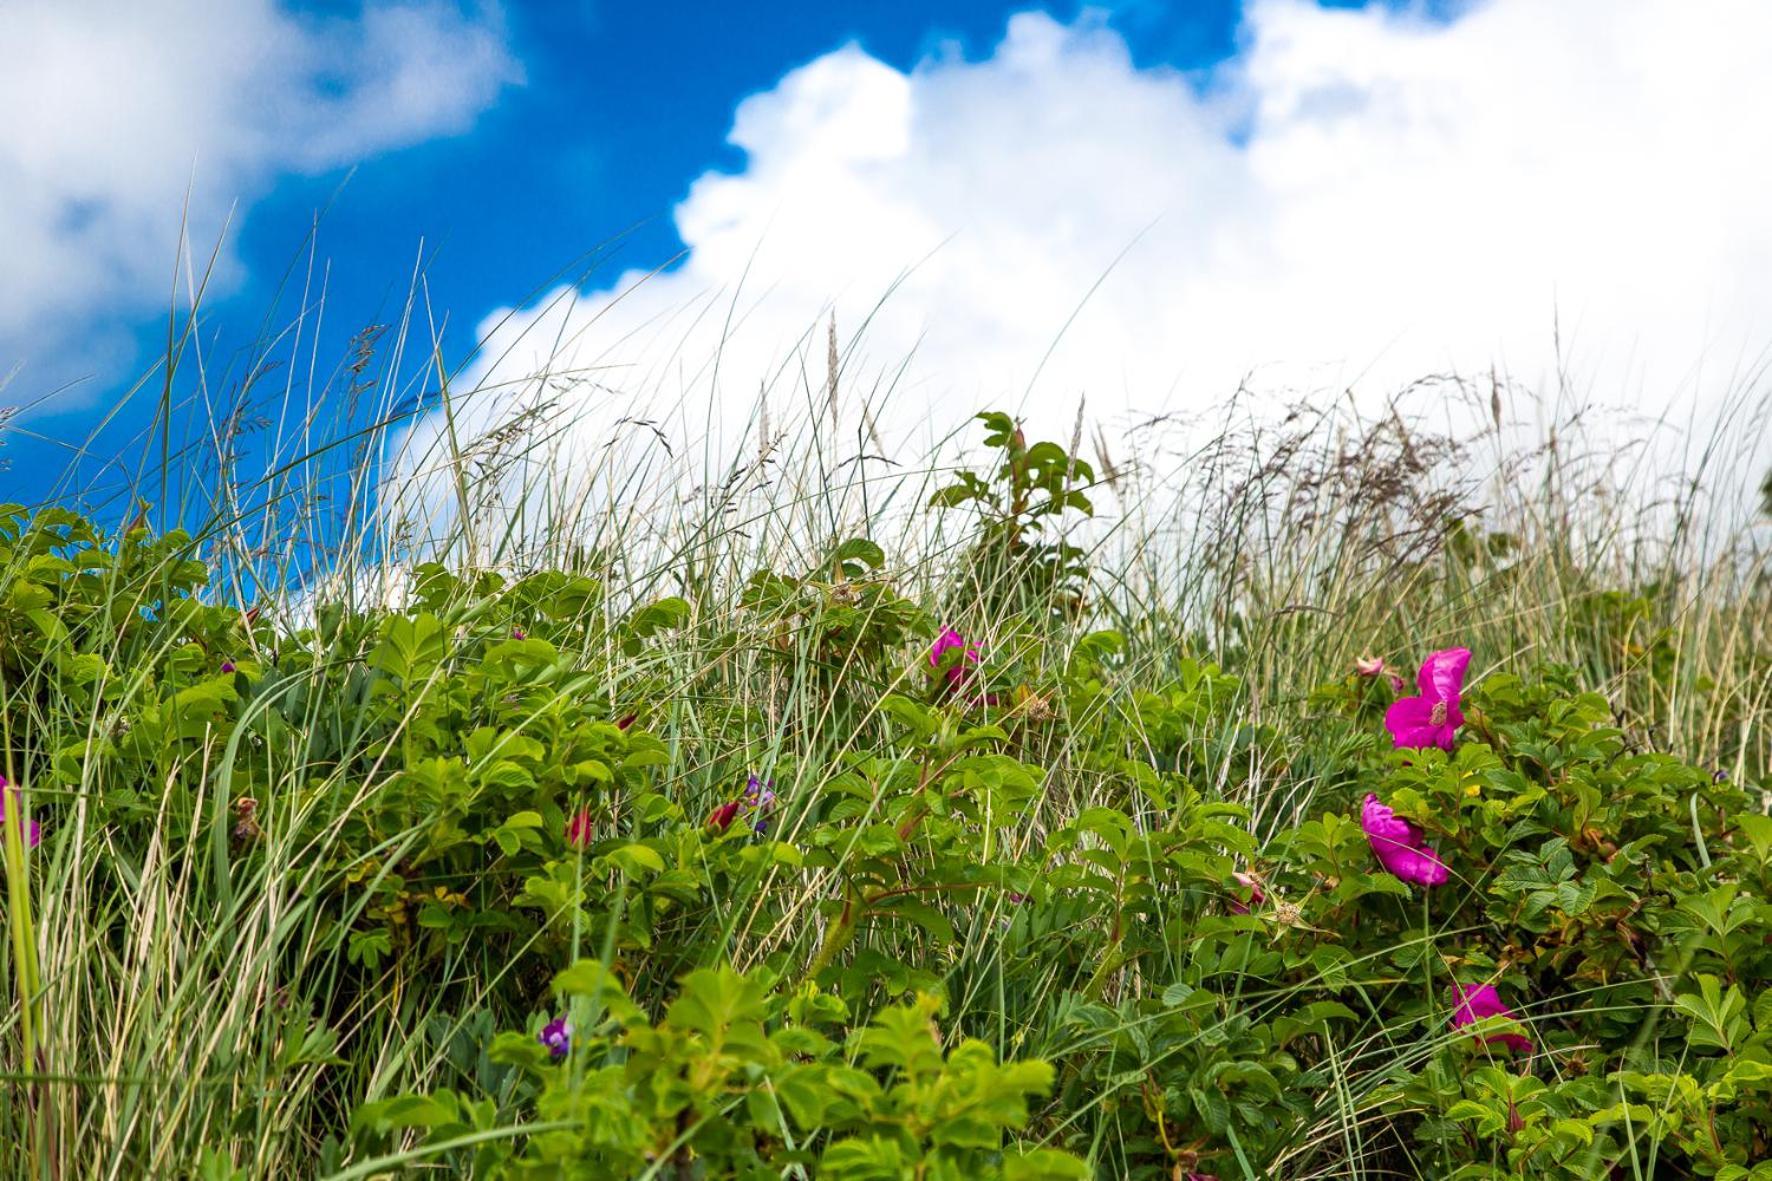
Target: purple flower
x=757, y=800
x=1398, y=845
x=556, y=1035
x=1473, y=1002
x=227, y=666
x=1432, y=718
x=32, y=833
x=518, y=633
x=959, y=670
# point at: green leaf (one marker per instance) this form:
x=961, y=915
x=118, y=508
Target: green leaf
x=861, y=551
x=1044, y=1164
x=1717, y=1017
x=634, y=858
x=1214, y=1108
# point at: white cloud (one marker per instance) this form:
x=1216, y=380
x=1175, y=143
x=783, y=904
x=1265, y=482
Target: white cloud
x=1358, y=196
x=114, y=112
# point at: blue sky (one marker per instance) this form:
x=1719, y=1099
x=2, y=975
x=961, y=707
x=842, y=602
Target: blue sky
x=1184, y=193
x=620, y=106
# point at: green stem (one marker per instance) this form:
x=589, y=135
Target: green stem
x=836, y=938
x=24, y=941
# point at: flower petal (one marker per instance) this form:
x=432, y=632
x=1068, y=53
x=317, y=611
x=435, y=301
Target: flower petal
x=579, y=829
x=1421, y=866
x=1442, y=675
x=1398, y=845
x=1477, y=1002
x=1379, y=821
x=1250, y=895
x=958, y=673
x=1410, y=721
x=1474, y=1002
x=721, y=817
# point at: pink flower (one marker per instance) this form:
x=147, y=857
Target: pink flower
x=958, y=671
x=1432, y=718
x=34, y=832
x=1398, y=845
x=578, y=829
x=1256, y=896
x=1369, y=666
x=1473, y=1002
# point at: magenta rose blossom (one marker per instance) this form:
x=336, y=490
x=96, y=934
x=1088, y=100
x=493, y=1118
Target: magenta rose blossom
x=1432, y=718
x=946, y=642
x=1398, y=845
x=33, y=832
x=1473, y=1002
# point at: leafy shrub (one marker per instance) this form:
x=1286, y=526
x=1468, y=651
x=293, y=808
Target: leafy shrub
x=741, y=1079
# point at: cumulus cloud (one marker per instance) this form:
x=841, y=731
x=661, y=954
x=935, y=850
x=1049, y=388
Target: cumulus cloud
x=1566, y=192
x=117, y=112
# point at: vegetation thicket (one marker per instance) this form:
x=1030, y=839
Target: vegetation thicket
x=1361, y=818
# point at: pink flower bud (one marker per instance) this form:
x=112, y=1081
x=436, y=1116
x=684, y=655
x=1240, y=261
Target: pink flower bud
x=579, y=829
x=1256, y=895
